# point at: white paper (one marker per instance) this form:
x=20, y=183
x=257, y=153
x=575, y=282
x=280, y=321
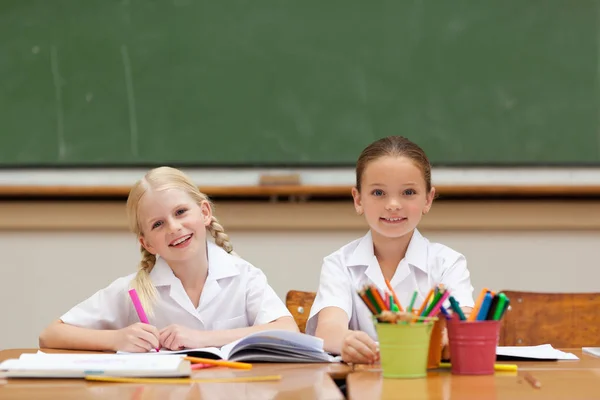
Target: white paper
x=91, y=362
x=594, y=351
x=542, y=352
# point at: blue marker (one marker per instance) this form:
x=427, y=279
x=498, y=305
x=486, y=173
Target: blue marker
x=445, y=312
x=485, y=307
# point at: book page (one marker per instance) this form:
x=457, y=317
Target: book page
x=207, y=352
x=275, y=337
x=279, y=339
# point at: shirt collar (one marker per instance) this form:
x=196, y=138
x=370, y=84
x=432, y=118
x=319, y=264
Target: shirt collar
x=162, y=274
x=363, y=253
x=220, y=265
x=416, y=253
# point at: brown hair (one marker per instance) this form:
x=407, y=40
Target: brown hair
x=161, y=179
x=397, y=146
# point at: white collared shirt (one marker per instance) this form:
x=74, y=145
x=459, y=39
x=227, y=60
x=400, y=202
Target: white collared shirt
x=425, y=265
x=236, y=295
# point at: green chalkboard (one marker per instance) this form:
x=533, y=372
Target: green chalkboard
x=306, y=82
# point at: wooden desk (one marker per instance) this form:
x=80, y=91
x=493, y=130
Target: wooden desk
x=299, y=381
x=560, y=380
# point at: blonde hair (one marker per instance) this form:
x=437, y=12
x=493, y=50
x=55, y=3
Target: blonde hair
x=163, y=178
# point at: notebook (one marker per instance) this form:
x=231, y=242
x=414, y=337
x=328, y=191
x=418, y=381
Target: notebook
x=544, y=352
x=43, y=365
x=266, y=346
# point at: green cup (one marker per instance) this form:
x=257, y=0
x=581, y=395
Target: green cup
x=404, y=348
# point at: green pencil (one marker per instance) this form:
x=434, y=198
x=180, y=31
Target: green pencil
x=412, y=302
x=369, y=294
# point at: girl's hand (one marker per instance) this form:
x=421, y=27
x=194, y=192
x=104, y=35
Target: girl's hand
x=359, y=348
x=177, y=337
x=445, y=344
x=136, y=338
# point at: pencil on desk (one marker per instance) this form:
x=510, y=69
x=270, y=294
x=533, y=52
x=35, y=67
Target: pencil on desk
x=178, y=381
x=202, y=366
x=532, y=381
x=219, y=363
x=497, y=367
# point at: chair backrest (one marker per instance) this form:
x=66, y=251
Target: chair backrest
x=560, y=319
x=299, y=304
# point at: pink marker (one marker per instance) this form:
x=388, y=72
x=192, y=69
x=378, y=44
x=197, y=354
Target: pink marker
x=436, y=309
x=137, y=304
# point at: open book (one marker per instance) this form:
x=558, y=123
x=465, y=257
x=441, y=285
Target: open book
x=43, y=365
x=266, y=346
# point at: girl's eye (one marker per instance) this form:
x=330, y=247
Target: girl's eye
x=156, y=224
x=377, y=192
x=180, y=211
x=410, y=192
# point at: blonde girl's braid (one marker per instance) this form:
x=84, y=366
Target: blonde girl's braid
x=142, y=282
x=218, y=232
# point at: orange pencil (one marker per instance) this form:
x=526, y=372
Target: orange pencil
x=378, y=298
x=220, y=363
x=475, y=311
x=425, y=301
x=364, y=297
x=396, y=301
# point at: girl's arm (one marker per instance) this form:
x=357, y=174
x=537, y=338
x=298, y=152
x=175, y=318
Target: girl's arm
x=135, y=338
x=59, y=335
x=354, y=346
x=332, y=327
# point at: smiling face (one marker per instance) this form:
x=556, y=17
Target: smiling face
x=172, y=224
x=393, y=196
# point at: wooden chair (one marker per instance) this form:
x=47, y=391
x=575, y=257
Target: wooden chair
x=561, y=319
x=299, y=304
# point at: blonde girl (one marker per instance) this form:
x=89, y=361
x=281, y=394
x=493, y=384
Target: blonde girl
x=196, y=293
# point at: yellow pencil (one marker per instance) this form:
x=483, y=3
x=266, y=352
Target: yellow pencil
x=220, y=363
x=101, y=378
x=425, y=302
x=497, y=367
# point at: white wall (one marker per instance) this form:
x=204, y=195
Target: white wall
x=44, y=273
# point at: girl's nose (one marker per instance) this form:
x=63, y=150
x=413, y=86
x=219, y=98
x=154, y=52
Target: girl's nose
x=393, y=205
x=174, y=226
